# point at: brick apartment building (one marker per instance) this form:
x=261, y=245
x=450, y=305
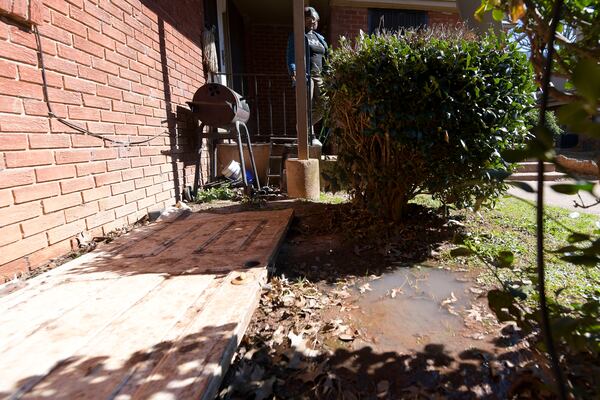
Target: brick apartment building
x=259, y=31
x=124, y=69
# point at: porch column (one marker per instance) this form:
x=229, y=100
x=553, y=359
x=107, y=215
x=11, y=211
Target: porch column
x=302, y=173
x=301, y=92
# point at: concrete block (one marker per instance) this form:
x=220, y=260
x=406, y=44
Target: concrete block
x=302, y=178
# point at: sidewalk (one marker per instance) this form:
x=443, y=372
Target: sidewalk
x=553, y=198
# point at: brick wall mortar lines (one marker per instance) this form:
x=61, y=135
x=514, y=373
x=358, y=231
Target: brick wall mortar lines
x=348, y=22
x=105, y=72
x=442, y=17
x=265, y=53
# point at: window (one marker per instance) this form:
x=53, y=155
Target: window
x=396, y=20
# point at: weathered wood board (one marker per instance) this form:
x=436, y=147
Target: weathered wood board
x=156, y=314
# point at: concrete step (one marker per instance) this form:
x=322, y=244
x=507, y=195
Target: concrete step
x=532, y=176
x=531, y=166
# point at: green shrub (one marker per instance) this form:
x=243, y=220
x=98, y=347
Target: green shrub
x=429, y=111
x=533, y=117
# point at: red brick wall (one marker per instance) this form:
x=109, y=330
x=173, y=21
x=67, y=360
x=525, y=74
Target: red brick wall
x=118, y=68
x=348, y=21
x=443, y=17
x=27, y=11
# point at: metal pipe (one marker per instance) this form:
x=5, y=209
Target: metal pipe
x=249, y=74
x=198, y=159
x=257, y=107
x=270, y=107
x=241, y=151
x=251, y=153
x=284, y=113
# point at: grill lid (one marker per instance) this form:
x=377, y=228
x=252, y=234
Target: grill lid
x=217, y=105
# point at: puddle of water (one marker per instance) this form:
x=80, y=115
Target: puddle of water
x=419, y=314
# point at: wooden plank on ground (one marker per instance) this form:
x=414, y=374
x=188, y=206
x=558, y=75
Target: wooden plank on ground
x=197, y=361
x=71, y=271
x=153, y=315
x=36, y=355
x=14, y=330
x=97, y=367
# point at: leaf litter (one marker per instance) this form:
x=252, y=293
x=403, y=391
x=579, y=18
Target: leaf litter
x=302, y=342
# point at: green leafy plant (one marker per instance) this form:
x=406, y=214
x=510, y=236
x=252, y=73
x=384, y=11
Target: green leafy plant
x=574, y=320
x=575, y=39
x=576, y=51
x=532, y=120
x=224, y=192
x=427, y=112
x=563, y=39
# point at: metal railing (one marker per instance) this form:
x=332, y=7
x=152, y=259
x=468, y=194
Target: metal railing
x=271, y=98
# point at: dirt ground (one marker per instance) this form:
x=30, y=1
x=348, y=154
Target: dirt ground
x=358, y=309
x=352, y=311
x=358, y=313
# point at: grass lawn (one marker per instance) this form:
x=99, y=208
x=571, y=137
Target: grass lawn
x=510, y=225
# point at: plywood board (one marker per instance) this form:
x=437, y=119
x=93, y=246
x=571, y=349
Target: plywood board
x=153, y=315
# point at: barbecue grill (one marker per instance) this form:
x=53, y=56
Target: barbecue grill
x=217, y=106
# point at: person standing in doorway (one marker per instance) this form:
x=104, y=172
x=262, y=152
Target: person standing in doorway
x=316, y=53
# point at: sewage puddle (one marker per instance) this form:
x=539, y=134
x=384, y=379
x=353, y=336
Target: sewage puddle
x=408, y=309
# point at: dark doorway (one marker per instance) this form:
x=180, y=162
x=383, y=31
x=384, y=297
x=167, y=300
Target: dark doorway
x=236, y=40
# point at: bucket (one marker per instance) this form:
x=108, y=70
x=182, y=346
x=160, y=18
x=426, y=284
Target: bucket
x=233, y=171
x=249, y=177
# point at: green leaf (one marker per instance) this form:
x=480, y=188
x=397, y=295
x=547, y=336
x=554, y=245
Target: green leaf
x=544, y=135
x=506, y=259
x=514, y=156
x=586, y=78
x=498, y=174
x=571, y=114
x=522, y=185
x=461, y=252
x=498, y=15
x=503, y=305
x=573, y=188
x=481, y=10
x=577, y=116
x=534, y=149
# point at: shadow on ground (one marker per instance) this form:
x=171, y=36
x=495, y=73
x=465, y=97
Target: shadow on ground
x=169, y=369
x=431, y=373
x=319, y=252
x=327, y=242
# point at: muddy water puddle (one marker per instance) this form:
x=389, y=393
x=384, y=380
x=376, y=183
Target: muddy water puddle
x=409, y=309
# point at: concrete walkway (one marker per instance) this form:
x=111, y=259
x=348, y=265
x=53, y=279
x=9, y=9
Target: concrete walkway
x=553, y=198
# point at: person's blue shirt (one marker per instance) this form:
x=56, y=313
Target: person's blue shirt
x=291, y=57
